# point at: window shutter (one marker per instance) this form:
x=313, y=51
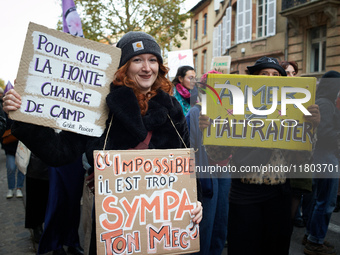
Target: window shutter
x=244, y=17
x=240, y=20
x=228, y=29
x=215, y=37
x=219, y=39
x=224, y=34
x=247, y=20
x=271, y=17
x=216, y=5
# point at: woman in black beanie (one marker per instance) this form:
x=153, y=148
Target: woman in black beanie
x=140, y=102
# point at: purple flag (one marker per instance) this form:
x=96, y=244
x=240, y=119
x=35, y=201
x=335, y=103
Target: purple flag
x=8, y=87
x=71, y=19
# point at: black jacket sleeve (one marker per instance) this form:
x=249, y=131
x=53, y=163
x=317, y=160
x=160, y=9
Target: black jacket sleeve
x=329, y=124
x=55, y=149
x=2, y=121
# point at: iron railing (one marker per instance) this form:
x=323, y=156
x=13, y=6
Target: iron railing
x=287, y=4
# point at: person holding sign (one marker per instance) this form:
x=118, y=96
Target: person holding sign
x=142, y=110
x=301, y=187
x=259, y=203
x=214, y=186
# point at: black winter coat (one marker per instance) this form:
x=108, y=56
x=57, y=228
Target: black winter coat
x=329, y=126
x=2, y=121
x=10, y=148
x=128, y=129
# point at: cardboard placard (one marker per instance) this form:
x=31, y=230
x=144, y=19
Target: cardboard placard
x=143, y=200
x=238, y=122
x=63, y=81
x=221, y=64
x=179, y=58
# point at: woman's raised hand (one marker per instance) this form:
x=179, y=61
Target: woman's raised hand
x=11, y=101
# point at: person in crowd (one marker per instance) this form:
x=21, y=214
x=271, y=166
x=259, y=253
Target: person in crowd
x=214, y=186
x=1, y=94
x=325, y=186
x=63, y=210
x=87, y=207
x=2, y=121
x=291, y=68
x=260, y=204
x=337, y=206
x=15, y=178
x=140, y=106
x=37, y=187
x=301, y=187
x=183, y=83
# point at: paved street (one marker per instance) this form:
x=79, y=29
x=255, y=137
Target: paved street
x=333, y=236
x=16, y=240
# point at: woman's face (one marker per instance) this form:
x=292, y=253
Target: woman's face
x=290, y=71
x=269, y=72
x=186, y=81
x=143, y=70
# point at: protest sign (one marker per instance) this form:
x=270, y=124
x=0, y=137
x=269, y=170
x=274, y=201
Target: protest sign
x=179, y=58
x=259, y=111
x=63, y=81
x=221, y=64
x=143, y=200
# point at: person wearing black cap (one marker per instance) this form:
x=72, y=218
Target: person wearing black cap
x=259, y=203
x=267, y=66
x=142, y=111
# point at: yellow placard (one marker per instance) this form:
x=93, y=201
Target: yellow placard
x=259, y=111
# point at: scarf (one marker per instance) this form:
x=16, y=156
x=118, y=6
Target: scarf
x=183, y=91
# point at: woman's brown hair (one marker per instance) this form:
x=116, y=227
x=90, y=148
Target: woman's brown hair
x=285, y=64
x=161, y=82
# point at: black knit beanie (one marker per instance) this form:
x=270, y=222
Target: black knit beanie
x=136, y=43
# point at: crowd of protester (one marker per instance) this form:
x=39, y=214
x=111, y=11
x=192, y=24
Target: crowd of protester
x=251, y=214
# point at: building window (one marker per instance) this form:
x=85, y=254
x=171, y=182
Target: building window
x=215, y=42
x=227, y=29
x=243, y=20
x=261, y=18
x=204, y=62
x=195, y=62
x=219, y=40
x=196, y=29
x=317, y=54
x=205, y=24
x=266, y=18
x=217, y=4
